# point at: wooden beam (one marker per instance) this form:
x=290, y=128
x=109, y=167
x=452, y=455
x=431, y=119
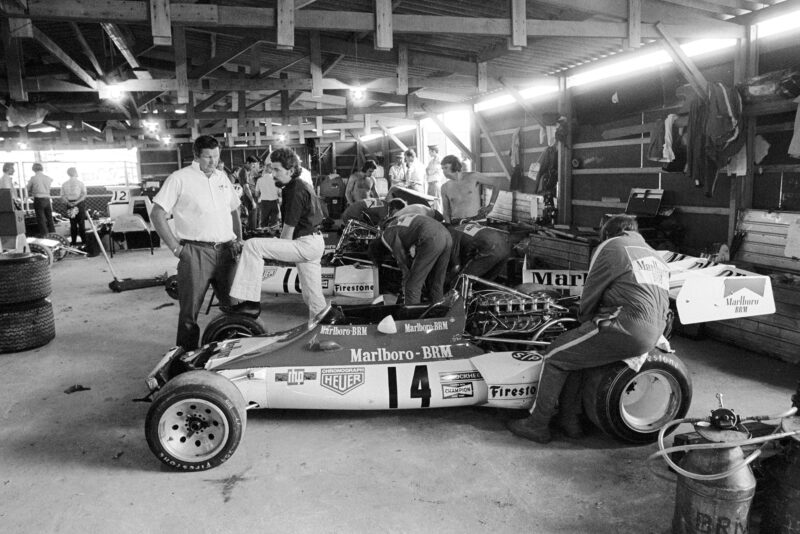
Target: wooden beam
x=450, y=135
x=383, y=24
x=519, y=30
x=392, y=136
x=181, y=65
x=161, y=22
x=488, y=134
x=87, y=50
x=115, y=34
x=219, y=60
x=402, y=69
x=565, y=155
x=634, y=39
x=316, y=65
x=521, y=101
x=285, y=19
x=63, y=57
x=328, y=66
x=684, y=63
x=483, y=78
x=14, y=65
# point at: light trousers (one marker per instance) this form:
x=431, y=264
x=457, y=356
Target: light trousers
x=305, y=252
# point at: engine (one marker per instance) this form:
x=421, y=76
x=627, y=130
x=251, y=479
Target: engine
x=506, y=314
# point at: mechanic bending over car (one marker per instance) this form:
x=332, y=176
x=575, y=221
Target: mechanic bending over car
x=207, y=236
x=478, y=251
x=428, y=266
x=623, y=312
x=368, y=210
x=461, y=193
x=300, y=242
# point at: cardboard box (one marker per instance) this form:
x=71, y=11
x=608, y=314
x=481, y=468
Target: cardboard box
x=12, y=223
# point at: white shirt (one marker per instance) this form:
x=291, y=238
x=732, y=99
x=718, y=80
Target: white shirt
x=201, y=206
x=305, y=175
x=415, y=176
x=267, y=190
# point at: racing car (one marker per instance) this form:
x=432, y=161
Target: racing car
x=479, y=346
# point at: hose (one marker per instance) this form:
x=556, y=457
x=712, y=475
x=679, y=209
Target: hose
x=665, y=452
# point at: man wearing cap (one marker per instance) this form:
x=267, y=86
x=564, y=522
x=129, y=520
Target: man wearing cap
x=39, y=189
x=461, y=194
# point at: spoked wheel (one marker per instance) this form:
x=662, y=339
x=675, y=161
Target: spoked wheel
x=47, y=252
x=232, y=326
x=196, y=422
x=633, y=406
x=60, y=253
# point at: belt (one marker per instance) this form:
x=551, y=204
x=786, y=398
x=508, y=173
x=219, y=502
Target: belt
x=207, y=244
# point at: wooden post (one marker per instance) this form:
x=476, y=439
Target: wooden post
x=565, y=156
x=634, y=24
x=161, y=23
x=181, y=69
x=488, y=134
x=13, y=63
x=402, y=69
x=519, y=30
x=316, y=65
x=284, y=15
x=383, y=24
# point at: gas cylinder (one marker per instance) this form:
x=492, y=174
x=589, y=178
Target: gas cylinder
x=710, y=506
x=781, y=513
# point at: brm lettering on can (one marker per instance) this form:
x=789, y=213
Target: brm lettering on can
x=512, y=391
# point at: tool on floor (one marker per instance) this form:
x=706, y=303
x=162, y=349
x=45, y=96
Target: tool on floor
x=124, y=284
x=716, y=484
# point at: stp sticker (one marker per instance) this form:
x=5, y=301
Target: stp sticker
x=527, y=356
x=341, y=380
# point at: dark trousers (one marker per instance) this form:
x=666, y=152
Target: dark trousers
x=268, y=211
x=429, y=267
x=489, y=259
x=199, y=266
x=44, y=215
x=584, y=348
x=77, y=226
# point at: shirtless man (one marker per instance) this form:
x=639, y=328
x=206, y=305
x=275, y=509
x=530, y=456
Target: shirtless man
x=461, y=194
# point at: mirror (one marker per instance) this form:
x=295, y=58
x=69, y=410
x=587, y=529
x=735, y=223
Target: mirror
x=387, y=325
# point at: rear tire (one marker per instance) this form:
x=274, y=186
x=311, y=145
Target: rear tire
x=231, y=326
x=26, y=326
x=632, y=407
x=196, y=422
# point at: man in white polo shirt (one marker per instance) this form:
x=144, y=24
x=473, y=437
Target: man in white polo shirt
x=208, y=233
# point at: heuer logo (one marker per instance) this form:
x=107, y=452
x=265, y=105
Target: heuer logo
x=527, y=356
x=342, y=380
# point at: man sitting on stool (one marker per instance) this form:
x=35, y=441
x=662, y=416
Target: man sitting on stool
x=300, y=242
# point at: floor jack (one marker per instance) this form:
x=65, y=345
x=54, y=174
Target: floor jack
x=125, y=284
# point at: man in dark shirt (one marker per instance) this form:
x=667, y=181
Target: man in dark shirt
x=300, y=242
x=478, y=250
x=623, y=312
x=432, y=244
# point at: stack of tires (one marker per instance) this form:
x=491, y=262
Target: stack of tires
x=26, y=314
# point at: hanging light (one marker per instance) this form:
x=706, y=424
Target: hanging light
x=357, y=93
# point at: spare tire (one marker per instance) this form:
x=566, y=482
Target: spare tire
x=231, y=326
x=633, y=406
x=26, y=277
x=26, y=326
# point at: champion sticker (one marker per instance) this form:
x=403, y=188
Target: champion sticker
x=457, y=391
x=342, y=380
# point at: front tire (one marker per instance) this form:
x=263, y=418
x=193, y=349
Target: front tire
x=196, y=422
x=632, y=407
x=231, y=326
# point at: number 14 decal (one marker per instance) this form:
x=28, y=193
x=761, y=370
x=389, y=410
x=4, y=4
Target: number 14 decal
x=420, y=386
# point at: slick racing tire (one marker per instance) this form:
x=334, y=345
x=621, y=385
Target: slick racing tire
x=196, y=421
x=171, y=286
x=632, y=407
x=26, y=278
x=26, y=326
x=47, y=252
x=231, y=326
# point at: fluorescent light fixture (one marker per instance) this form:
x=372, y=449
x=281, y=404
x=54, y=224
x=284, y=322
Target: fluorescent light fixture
x=395, y=130
x=774, y=26
x=180, y=111
x=330, y=131
x=69, y=126
x=277, y=124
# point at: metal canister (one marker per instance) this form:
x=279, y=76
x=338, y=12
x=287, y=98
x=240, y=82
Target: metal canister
x=781, y=513
x=706, y=506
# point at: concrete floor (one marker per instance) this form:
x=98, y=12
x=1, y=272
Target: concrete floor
x=79, y=462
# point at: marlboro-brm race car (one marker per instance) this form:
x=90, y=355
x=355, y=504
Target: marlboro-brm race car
x=478, y=347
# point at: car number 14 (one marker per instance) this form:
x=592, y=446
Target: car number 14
x=420, y=386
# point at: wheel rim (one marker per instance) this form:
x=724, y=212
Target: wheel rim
x=233, y=331
x=193, y=430
x=650, y=400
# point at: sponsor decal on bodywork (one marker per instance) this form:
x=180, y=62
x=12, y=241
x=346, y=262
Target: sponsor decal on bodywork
x=343, y=330
x=435, y=352
x=351, y=288
x=341, y=380
x=511, y=391
x=425, y=327
x=528, y=356
x=295, y=377
x=459, y=384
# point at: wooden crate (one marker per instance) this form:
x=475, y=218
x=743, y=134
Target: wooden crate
x=765, y=240
x=557, y=253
